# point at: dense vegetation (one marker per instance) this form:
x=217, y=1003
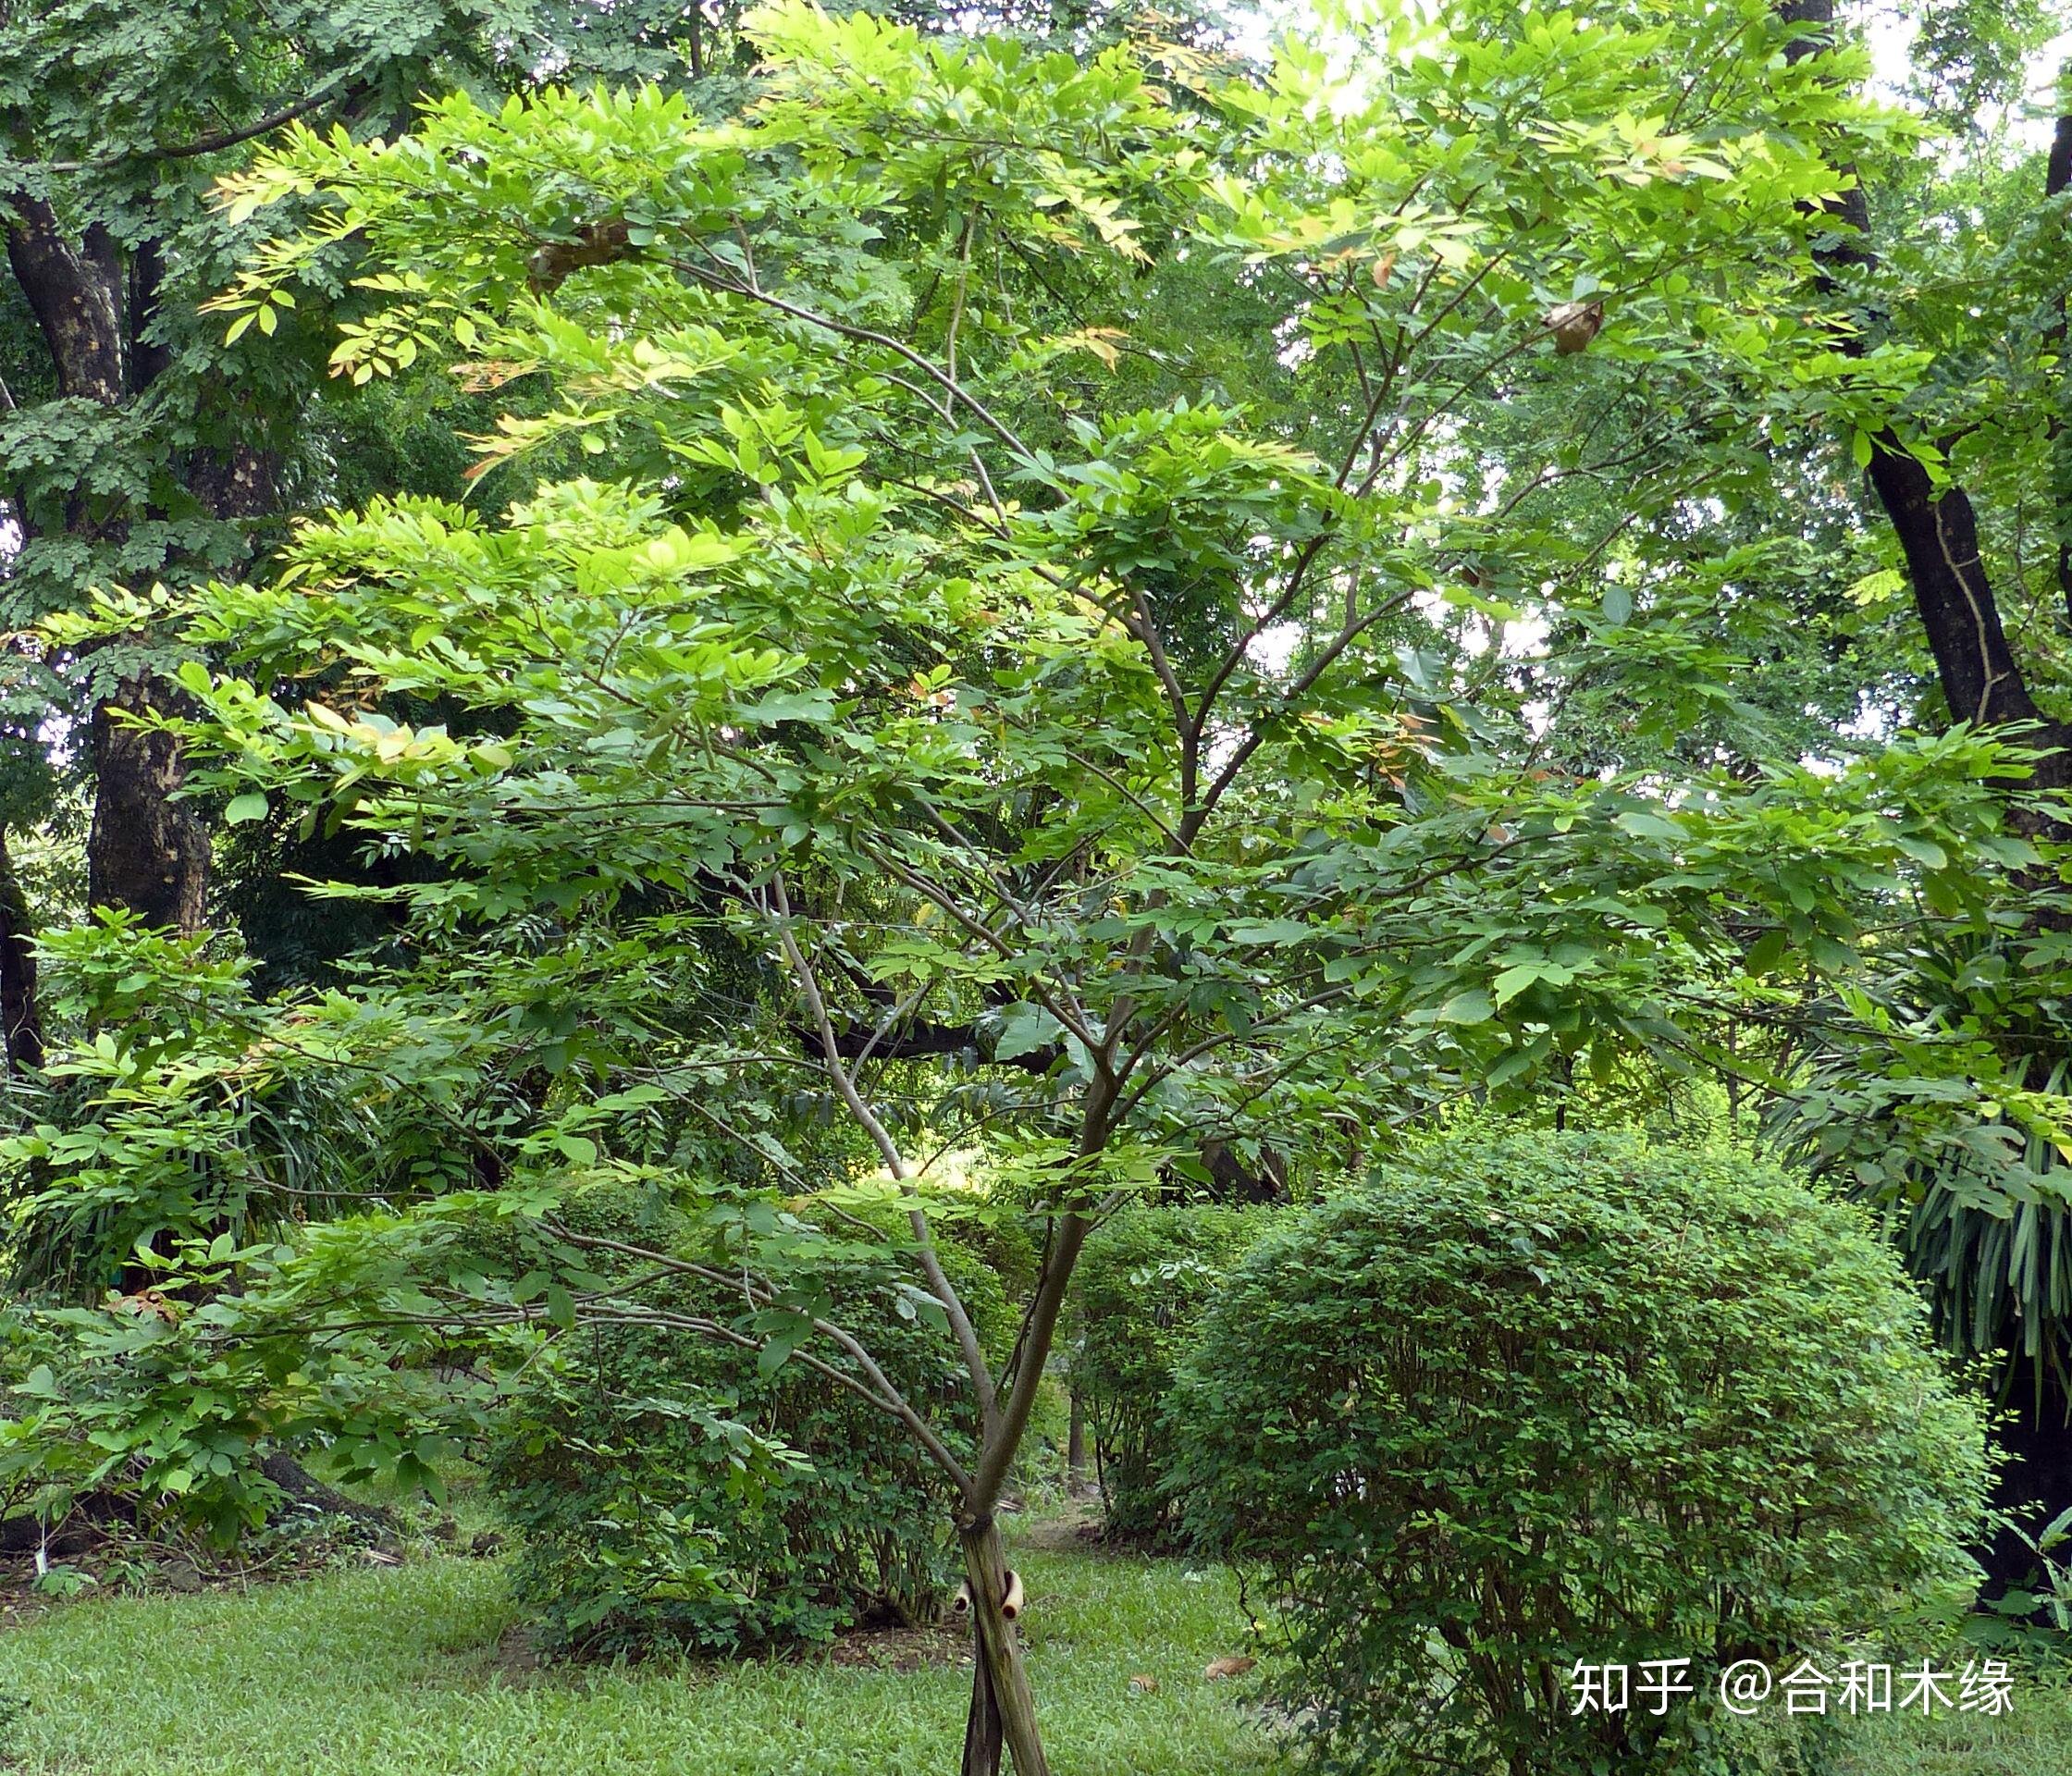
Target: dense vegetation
x=732, y=739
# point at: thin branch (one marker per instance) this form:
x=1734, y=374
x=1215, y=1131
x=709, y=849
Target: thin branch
x=931, y=1265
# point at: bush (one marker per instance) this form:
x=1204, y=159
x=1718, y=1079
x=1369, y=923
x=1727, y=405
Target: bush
x=1141, y=1284
x=1543, y=1398
x=670, y=1494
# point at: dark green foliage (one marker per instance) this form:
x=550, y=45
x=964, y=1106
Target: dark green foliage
x=1536, y=1400
x=1142, y=1285
x=671, y=1493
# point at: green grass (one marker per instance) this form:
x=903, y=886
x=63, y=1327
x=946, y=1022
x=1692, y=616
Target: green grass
x=401, y=1673
x=397, y=1674
x=2035, y=1740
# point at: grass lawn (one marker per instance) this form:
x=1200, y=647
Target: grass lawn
x=401, y=1673
x=406, y=1671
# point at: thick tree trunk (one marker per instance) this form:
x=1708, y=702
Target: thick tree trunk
x=1939, y=535
x=21, y=1031
x=146, y=853
x=1981, y=683
x=1000, y=1679
x=78, y=303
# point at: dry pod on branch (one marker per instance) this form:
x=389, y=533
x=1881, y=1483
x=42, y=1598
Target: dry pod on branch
x=1574, y=325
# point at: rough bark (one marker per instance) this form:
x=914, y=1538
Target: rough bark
x=21, y=1031
x=1938, y=534
x=146, y=853
x=77, y=305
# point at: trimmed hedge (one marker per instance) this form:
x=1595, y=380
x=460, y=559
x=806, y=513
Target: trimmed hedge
x=1540, y=1398
x=1142, y=1282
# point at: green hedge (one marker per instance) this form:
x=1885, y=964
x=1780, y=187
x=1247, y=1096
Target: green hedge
x=1542, y=1398
x=1141, y=1284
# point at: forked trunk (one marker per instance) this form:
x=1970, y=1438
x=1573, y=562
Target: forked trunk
x=1003, y=1710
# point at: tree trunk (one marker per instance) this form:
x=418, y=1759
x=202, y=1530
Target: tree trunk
x=1982, y=682
x=982, y=1740
x=21, y=1030
x=999, y=1680
x=2035, y=1485
x=146, y=853
x=78, y=305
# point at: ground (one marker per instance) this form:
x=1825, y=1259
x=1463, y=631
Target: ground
x=415, y=1670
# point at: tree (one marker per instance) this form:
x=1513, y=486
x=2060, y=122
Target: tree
x=1148, y=748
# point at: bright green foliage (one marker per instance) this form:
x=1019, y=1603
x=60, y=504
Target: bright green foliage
x=185, y=1109
x=1538, y=1399
x=1120, y=733
x=1145, y=1277
x=1083, y=764
x=169, y=1407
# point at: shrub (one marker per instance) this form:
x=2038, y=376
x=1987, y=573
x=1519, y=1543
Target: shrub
x=671, y=1494
x=1537, y=1400
x=1142, y=1282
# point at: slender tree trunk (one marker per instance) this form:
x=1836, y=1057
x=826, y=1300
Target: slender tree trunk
x=21, y=1031
x=982, y=1740
x=1000, y=1679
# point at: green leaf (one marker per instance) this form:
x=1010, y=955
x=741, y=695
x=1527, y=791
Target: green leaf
x=1767, y=952
x=1515, y=981
x=1024, y=1028
x=245, y=809
x=1470, y=1007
